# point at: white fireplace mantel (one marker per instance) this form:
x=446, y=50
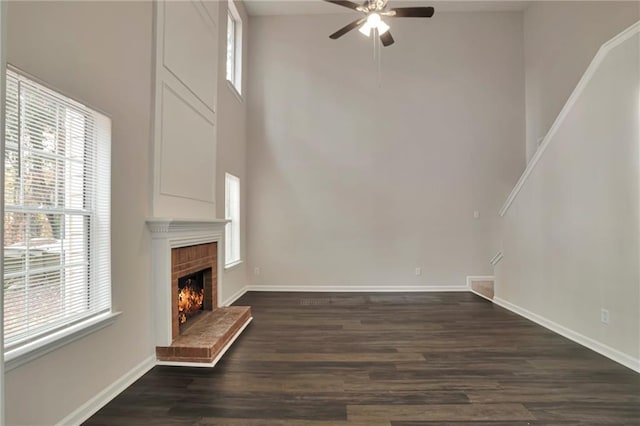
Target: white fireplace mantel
x=171, y=226
x=167, y=234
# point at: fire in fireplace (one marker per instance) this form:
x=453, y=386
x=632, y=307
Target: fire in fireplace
x=191, y=294
x=194, y=281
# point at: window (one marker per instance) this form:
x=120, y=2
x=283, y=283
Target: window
x=232, y=213
x=57, y=272
x=234, y=47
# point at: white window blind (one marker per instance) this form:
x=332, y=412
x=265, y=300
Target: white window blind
x=57, y=266
x=232, y=213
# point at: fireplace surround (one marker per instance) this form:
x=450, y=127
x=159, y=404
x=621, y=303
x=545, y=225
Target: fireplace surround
x=192, y=246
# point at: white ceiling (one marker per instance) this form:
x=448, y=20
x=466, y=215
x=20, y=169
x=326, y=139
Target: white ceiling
x=315, y=7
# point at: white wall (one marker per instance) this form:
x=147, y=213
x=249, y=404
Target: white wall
x=560, y=40
x=232, y=144
x=351, y=184
x=100, y=53
x=190, y=167
x=185, y=115
x=570, y=238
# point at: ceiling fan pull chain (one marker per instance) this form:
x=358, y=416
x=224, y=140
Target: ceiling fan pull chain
x=379, y=61
x=375, y=50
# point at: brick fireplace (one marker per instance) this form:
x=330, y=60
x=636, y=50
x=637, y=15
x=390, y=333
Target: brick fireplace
x=187, y=254
x=193, y=263
x=181, y=247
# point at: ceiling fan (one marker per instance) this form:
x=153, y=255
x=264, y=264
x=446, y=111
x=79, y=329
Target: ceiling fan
x=374, y=10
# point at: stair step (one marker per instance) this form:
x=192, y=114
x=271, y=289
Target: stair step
x=483, y=288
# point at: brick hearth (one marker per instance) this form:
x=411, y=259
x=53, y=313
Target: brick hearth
x=209, y=334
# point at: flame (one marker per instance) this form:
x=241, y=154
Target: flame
x=189, y=301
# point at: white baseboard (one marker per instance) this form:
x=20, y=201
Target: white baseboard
x=216, y=359
x=237, y=295
x=601, y=348
x=89, y=408
x=356, y=288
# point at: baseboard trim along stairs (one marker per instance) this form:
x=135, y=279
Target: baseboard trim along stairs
x=568, y=106
x=607, y=351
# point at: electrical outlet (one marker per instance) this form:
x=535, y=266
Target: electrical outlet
x=418, y=271
x=604, y=316
x=256, y=271
x=476, y=214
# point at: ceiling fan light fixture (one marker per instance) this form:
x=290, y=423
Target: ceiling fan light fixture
x=374, y=21
x=373, y=11
x=382, y=28
x=365, y=29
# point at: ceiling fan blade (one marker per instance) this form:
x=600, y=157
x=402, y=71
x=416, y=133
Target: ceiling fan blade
x=386, y=39
x=345, y=3
x=342, y=31
x=412, y=12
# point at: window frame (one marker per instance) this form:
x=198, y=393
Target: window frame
x=235, y=79
x=232, y=230
x=34, y=345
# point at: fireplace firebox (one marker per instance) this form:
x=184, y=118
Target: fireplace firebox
x=192, y=297
x=194, y=284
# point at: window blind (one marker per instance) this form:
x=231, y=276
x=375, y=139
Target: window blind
x=57, y=266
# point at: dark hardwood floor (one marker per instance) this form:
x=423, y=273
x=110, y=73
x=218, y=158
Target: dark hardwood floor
x=388, y=359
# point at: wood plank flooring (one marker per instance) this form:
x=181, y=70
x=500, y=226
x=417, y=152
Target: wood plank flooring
x=401, y=359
